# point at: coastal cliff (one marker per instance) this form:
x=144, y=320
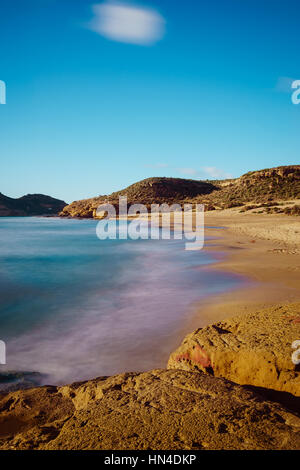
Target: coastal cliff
x=184, y=407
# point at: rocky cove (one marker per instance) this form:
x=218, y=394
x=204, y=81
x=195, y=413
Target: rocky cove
x=228, y=386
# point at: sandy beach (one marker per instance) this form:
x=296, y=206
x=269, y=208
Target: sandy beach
x=265, y=249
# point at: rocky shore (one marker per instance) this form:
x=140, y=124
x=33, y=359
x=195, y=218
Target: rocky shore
x=252, y=349
x=230, y=385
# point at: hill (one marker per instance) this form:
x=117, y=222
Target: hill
x=262, y=188
x=149, y=191
x=257, y=187
x=31, y=204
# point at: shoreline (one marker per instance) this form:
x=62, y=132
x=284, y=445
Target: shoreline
x=168, y=303
x=230, y=385
x=244, y=245
x=272, y=267
x=264, y=266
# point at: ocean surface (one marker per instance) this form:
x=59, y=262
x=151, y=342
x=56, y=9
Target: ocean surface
x=73, y=307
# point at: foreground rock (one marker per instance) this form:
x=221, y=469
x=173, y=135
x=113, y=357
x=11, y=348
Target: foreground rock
x=185, y=407
x=253, y=349
x=161, y=409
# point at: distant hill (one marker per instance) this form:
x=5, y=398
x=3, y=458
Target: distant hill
x=257, y=187
x=31, y=204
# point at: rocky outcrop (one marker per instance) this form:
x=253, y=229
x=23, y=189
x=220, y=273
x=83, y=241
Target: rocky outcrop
x=263, y=186
x=160, y=409
x=85, y=208
x=184, y=407
x=29, y=205
x=253, y=349
x=290, y=171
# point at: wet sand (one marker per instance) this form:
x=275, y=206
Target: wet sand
x=263, y=248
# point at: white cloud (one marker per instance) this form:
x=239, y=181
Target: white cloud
x=214, y=172
x=127, y=23
x=205, y=172
x=188, y=171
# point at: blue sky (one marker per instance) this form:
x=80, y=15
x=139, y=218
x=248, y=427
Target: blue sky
x=91, y=109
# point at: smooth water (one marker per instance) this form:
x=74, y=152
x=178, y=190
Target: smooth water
x=73, y=307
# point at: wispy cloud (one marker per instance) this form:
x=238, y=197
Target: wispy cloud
x=215, y=172
x=157, y=165
x=127, y=23
x=188, y=171
x=284, y=84
x=205, y=172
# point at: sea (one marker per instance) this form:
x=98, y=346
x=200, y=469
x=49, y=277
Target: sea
x=74, y=307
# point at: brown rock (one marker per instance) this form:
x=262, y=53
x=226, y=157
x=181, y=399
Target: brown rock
x=253, y=349
x=160, y=409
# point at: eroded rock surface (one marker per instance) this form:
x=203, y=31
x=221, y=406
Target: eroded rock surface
x=184, y=407
x=253, y=349
x=160, y=409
